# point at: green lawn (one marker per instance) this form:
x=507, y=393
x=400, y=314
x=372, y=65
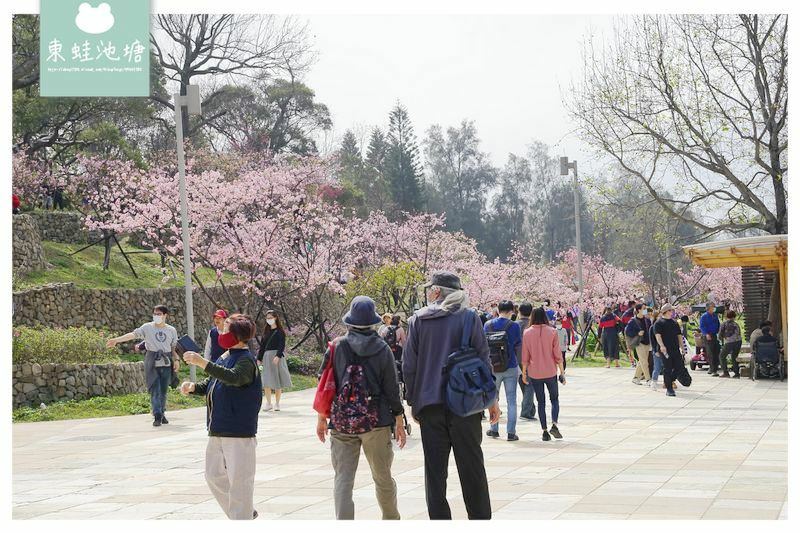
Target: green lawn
x=85, y=269
x=127, y=404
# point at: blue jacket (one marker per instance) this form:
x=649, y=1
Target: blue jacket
x=709, y=324
x=232, y=411
x=216, y=350
x=636, y=325
x=513, y=338
x=433, y=334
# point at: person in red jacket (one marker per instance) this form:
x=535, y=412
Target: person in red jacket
x=14, y=203
x=609, y=337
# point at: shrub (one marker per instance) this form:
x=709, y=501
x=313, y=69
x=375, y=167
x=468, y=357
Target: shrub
x=64, y=346
x=304, y=364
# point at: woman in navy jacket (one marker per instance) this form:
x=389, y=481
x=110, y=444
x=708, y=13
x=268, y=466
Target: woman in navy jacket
x=233, y=399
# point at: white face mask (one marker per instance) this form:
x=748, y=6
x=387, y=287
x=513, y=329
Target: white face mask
x=271, y=321
x=158, y=319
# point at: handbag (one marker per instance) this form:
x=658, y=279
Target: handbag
x=326, y=388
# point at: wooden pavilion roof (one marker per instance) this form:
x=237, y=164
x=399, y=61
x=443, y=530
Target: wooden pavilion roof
x=768, y=252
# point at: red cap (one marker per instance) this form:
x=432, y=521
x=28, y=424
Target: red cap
x=220, y=313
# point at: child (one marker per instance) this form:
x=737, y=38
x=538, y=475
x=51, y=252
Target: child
x=233, y=399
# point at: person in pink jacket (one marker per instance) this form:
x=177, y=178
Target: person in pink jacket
x=541, y=366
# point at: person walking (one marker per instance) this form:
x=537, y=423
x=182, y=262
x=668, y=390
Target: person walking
x=528, y=407
x=212, y=349
x=709, y=327
x=541, y=366
x=561, y=333
x=656, y=360
x=386, y=321
x=609, y=336
x=671, y=348
x=233, y=398
x=731, y=335
x=160, y=359
x=395, y=337
x=637, y=335
x=568, y=323
x=508, y=377
x=628, y=311
x=271, y=354
x=359, y=355
x=434, y=332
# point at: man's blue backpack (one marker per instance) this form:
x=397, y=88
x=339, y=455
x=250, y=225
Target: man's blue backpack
x=470, y=386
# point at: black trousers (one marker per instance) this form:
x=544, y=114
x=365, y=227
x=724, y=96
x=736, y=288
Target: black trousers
x=671, y=365
x=712, y=347
x=442, y=431
x=732, y=349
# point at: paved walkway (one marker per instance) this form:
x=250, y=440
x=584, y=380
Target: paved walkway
x=718, y=450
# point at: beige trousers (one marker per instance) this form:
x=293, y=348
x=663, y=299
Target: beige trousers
x=230, y=474
x=642, y=371
x=345, y=452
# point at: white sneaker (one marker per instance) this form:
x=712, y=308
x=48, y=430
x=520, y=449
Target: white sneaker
x=654, y=385
x=636, y=381
x=267, y=407
x=277, y=407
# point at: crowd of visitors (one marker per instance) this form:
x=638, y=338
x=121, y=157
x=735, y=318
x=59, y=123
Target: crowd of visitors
x=449, y=366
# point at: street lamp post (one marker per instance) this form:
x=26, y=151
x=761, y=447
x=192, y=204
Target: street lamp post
x=565, y=166
x=192, y=102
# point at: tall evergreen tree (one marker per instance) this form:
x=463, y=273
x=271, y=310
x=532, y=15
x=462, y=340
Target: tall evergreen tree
x=402, y=167
x=510, y=208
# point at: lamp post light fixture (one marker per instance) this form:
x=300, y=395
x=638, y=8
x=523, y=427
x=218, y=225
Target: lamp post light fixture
x=192, y=102
x=565, y=166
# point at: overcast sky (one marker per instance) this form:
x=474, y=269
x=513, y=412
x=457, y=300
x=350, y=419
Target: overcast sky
x=507, y=73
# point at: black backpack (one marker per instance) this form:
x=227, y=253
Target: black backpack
x=498, y=347
x=391, y=337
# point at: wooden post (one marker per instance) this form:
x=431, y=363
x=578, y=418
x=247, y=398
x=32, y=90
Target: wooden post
x=784, y=304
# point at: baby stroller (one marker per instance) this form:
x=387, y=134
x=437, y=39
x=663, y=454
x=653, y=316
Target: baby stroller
x=766, y=361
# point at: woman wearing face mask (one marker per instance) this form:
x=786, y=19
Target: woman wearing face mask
x=233, y=398
x=270, y=354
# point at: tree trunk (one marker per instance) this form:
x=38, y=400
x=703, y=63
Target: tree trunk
x=106, y=250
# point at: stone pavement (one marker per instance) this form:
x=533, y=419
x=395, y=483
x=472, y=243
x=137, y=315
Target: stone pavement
x=718, y=450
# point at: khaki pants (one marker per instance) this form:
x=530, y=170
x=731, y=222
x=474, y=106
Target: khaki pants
x=642, y=368
x=345, y=451
x=230, y=474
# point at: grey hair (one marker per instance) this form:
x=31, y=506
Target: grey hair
x=451, y=300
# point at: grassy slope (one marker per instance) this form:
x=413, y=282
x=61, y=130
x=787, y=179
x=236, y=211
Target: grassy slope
x=85, y=269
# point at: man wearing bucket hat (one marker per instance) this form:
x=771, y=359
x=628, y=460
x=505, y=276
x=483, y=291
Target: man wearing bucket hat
x=363, y=351
x=435, y=332
x=671, y=346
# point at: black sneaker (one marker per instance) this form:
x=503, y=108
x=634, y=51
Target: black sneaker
x=545, y=435
x=493, y=434
x=670, y=393
x=157, y=421
x=255, y=514
x=164, y=420
x=736, y=376
x=528, y=417
x=555, y=432
x=512, y=437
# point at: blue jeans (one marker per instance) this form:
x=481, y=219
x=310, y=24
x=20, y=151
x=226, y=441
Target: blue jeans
x=508, y=380
x=552, y=390
x=528, y=405
x=158, y=392
x=658, y=366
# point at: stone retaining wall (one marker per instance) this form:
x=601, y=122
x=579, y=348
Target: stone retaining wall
x=26, y=253
x=63, y=305
x=34, y=384
x=63, y=226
